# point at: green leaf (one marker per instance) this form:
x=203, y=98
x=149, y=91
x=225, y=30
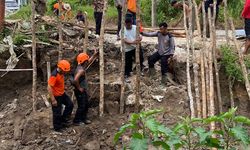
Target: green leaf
x=213, y=142
x=178, y=127
x=149, y=113
x=203, y=134
x=133, y=118
x=229, y=114
x=162, y=144
x=152, y=124
x=122, y=130
x=240, y=134
x=242, y=119
x=196, y=120
x=212, y=119
x=164, y=130
x=138, y=142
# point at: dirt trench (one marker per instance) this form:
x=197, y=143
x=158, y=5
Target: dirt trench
x=22, y=129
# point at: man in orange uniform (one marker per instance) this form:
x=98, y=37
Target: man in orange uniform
x=246, y=16
x=58, y=96
x=132, y=10
x=81, y=87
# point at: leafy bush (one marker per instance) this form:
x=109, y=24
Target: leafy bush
x=23, y=13
x=19, y=39
x=189, y=134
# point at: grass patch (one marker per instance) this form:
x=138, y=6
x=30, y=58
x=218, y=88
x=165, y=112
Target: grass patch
x=24, y=13
x=230, y=61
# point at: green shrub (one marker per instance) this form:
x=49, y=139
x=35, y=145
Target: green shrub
x=19, y=39
x=23, y=13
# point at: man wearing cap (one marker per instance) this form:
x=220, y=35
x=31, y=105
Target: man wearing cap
x=58, y=96
x=81, y=87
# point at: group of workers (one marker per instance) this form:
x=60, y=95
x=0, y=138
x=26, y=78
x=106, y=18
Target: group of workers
x=164, y=54
x=58, y=97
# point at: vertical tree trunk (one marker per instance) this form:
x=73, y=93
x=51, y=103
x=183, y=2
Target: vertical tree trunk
x=2, y=14
x=137, y=55
x=211, y=77
x=153, y=13
x=34, y=81
x=60, y=52
x=226, y=20
x=204, y=68
x=241, y=59
x=86, y=33
x=197, y=18
x=101, y=57
x=190, y=96
x=122, y=100
x=195, y=65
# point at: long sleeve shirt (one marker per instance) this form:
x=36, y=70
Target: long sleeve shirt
x=246, y=11
x=166, y=44
x=98, y=5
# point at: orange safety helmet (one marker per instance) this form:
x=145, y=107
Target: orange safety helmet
x=82, y=57
x=64, y=65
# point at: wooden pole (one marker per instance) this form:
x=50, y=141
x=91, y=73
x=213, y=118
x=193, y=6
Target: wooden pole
x=60, y=52
x=195, y=65
x=197, y=18
x=153, y=13
x=211, y=77
x=48, y=70
x=226, y=20
x=203, y=61
x=122, y=100
x=101, y=57
x=241, y=59
x=217, y=77
x=34, y=79
x=86, y=33
x=137, y=55
x=230, y=85
x=190, y=96
x=2, y=14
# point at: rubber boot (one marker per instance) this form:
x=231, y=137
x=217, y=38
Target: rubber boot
x=164, y=80
x=152, y=73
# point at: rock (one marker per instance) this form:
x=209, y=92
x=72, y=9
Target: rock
x=69, y=32
x=93, y=145
x=31, y=131
x=130, y=99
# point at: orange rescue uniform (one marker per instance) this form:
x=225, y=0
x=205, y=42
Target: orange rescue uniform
x=56, y=81
x=132, y=5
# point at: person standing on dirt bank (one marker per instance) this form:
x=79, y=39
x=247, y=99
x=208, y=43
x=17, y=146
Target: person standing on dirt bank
x=165, y=52
x=246, y=16
x=98, y=11
x=81, y=87
x=131, y=10
x=59, y=97
x=130, y=47
x=119, y=5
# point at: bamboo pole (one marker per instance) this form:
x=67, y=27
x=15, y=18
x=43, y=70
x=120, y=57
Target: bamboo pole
x=190, y=96
x=34, y=66
x=122, y=100
x=48, y=70
x=153, y=13
x=101, y=57
x=211, y=85
x=86, y=33
x=2, y=14
x=137, y=61
x=203, y=62
x=217, y=77
x=230, y=82
x=195, y=65
x=226, y=20
x=241, y=59
x=60, y=52
x=197, y=18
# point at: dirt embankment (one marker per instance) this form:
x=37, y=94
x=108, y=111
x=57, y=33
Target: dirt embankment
x=22, y=129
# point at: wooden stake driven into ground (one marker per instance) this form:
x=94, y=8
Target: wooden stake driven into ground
x=122, y=99
x=197, y=18
x=60, y=52
x=101, y=58
x=153, y=13
x=86, y=33
x=34, y=78
x=190, y=96
x=217, y=77
x=241, y=59
x=202, y=61
x=137, y=56
x=211, y=77
x=226, y=20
